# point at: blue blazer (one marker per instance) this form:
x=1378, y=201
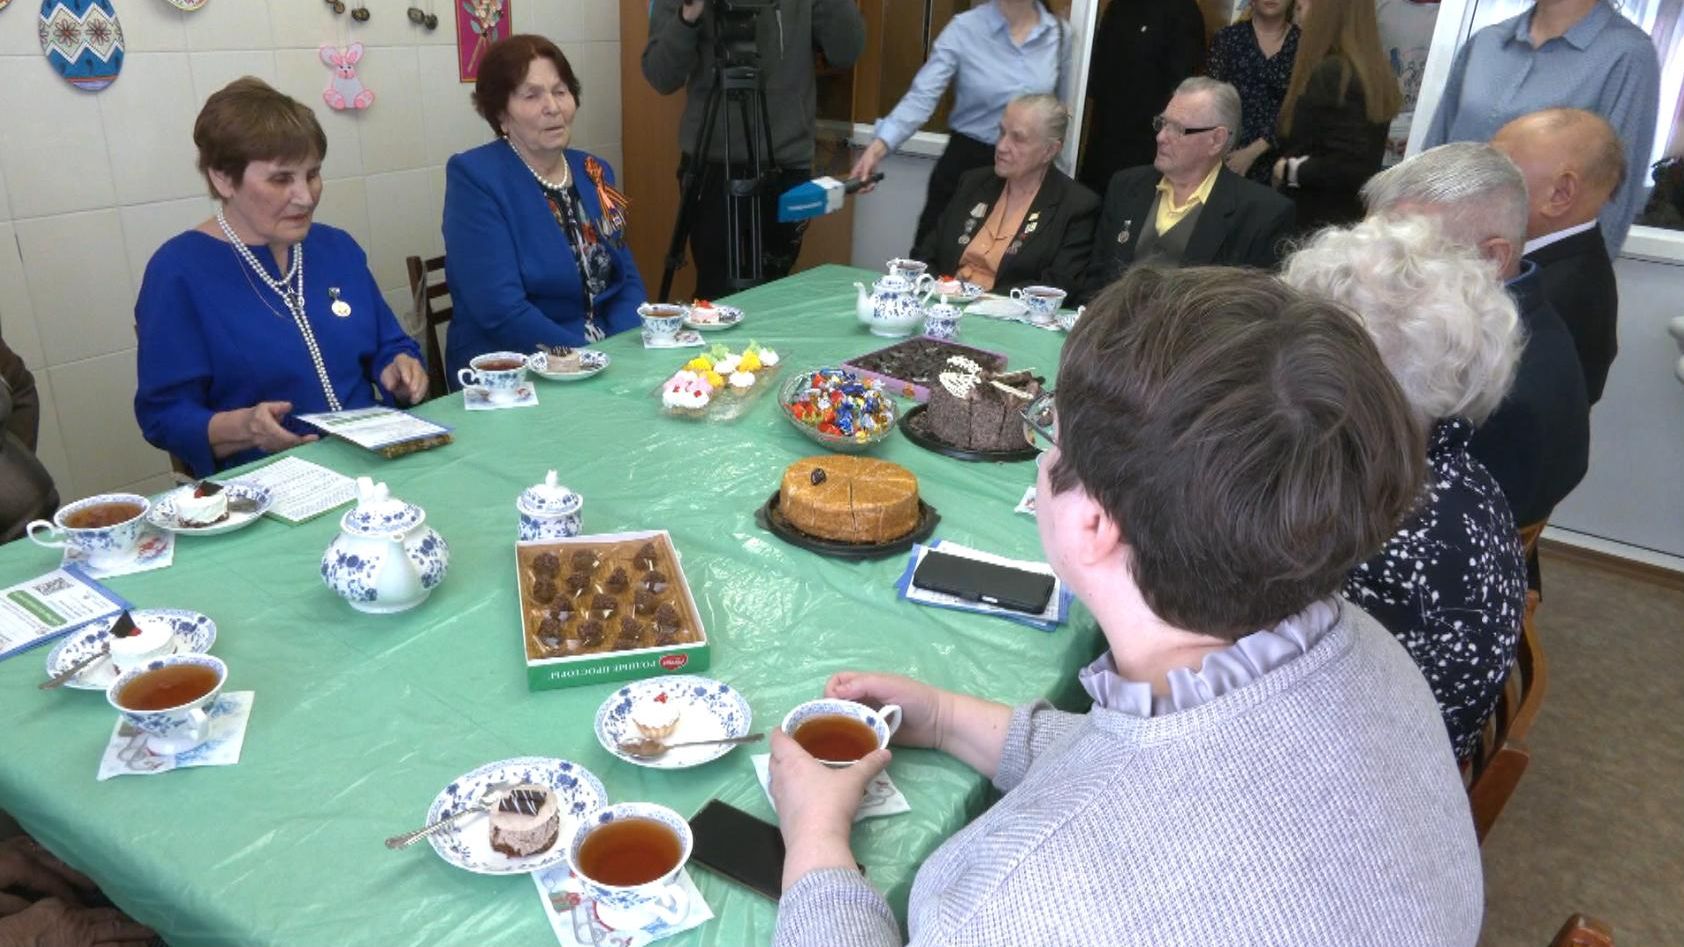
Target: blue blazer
x=514, y=283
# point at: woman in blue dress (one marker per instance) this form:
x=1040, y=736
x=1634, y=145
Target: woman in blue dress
x=534, y=246
x=259, y=314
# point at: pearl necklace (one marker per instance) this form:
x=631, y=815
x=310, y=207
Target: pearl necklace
x=566, y=171
x=292, y=296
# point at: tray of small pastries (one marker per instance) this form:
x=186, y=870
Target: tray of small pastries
x=610, y=607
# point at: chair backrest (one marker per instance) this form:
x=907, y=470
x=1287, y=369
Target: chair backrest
x=1582, y=930
x=423, y=290
x=1501, y=757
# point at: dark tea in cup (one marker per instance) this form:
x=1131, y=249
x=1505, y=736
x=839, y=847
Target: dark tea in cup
x=628, y=852
x=837, y=738
x=499, y=365
x=167, y=687
x=102, y=515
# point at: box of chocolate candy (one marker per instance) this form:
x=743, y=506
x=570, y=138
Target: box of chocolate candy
x=610, y=607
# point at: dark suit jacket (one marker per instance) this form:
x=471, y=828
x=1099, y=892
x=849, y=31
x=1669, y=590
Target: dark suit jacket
x=1052, y=242
x=1242, y=224
x=1342, y=148
x=1141, y=52
x=1537, y=443
x=1579, y=282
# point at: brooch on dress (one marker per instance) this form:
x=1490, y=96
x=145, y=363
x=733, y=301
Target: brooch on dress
x=340, y=307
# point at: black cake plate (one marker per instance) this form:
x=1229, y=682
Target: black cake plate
x=772, y=520
x=912, y=425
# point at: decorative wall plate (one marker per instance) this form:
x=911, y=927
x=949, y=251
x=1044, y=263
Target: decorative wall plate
x=83, y=41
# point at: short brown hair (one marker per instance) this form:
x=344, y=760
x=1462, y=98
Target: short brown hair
x=248, y=120
x=504, y=68
x=1245, y=438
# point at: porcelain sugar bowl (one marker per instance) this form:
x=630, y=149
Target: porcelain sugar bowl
x=385, y=559
x=549, y=510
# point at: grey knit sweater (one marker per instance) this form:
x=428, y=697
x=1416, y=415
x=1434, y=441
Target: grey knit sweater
x=1317, y=805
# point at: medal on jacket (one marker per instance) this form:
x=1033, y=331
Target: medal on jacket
x=1123, y=235
x=340, y=307
x=613, y=203
x=980, y=210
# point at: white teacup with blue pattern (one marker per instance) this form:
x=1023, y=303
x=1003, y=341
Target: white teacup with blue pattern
x=500, y=373
x=1041, y=301
x=174, y=729
x=883, y=723
x=105, y=545
x=635, y=906
x=663, y=320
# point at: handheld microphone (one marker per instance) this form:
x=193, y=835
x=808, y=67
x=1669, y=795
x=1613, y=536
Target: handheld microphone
x=818, y=197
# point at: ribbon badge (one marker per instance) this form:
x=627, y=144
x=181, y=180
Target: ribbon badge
x=613, y=202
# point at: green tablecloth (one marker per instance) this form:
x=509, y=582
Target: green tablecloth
x=359, y=720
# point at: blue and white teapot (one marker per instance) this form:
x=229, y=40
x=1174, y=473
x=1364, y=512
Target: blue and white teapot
x=385, y=559
x=893, y=308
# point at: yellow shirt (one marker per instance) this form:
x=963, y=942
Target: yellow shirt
x=1168, y=213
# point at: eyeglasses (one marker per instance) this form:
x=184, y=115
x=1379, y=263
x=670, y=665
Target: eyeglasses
x=1176, y=129
x=1040, y=421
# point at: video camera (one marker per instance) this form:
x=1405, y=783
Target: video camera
x=734, y=25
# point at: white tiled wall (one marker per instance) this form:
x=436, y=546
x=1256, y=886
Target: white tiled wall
x=92, y=183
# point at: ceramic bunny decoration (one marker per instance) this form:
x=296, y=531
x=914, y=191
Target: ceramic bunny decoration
x=346, y=91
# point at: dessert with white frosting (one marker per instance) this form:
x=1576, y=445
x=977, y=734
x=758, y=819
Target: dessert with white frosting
x=202, y=505
x=657, y=718
x=526, y=821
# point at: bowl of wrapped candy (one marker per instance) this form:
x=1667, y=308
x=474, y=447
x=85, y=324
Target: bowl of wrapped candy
x=839, y=409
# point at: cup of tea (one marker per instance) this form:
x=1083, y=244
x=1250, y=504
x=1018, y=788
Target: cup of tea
x=500, y=373
x=169, y=699
x=628, y=857
x=838, y=733
x=105, y=528
x=1042, y=302
x=908, y=269
x=663, y=320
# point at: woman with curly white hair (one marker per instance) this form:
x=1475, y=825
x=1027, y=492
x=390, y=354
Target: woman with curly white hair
x=1451, y=583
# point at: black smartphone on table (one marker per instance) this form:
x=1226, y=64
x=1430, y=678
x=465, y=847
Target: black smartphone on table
x=976, y=581
x=739, y=846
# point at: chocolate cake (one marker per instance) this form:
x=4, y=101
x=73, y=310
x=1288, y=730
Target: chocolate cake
x=526, y=821
x=919, y=361
x=973, y=408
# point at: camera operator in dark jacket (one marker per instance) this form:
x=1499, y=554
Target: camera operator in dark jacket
x=681, y=54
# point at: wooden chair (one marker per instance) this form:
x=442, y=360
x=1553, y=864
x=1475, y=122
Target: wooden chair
x=434, y=317
x=1529, y=547
x=1501, y=757
x=1582, y=930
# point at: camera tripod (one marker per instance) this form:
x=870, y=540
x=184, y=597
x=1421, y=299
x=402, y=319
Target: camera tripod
x=736, y=90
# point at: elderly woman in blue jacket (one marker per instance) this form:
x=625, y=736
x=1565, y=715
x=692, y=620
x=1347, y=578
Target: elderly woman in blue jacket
x=534, y=244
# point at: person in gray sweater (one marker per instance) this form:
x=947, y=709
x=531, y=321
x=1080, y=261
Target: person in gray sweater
x=1263, y=763
x=681, y=54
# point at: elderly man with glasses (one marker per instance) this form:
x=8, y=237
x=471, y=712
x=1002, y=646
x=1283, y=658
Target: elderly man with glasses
x=1186, y=208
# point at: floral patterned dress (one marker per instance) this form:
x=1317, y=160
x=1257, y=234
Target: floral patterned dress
x=1235, y=58
x=1451, y=584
